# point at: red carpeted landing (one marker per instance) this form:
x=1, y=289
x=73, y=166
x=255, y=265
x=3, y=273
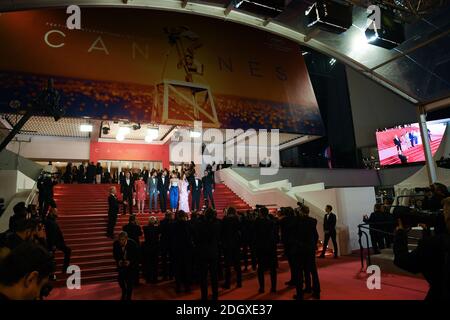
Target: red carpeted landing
x=340, y=280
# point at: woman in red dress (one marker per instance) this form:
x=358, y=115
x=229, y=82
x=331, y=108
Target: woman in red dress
x=141, y=193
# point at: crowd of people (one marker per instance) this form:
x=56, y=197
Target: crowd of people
x=193, y=247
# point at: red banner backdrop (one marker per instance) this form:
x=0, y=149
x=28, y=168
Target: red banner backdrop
x=127, y=152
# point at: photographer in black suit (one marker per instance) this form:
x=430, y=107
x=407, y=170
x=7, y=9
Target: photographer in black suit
x=329, y=229
x=127, y=190
x=431, y=257
x=163, y=188
x=196, y=188
x=126, y=254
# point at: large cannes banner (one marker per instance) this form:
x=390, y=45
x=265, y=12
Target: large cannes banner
x=157, y=67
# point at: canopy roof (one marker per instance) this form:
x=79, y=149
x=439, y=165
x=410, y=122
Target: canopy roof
x=418, y=69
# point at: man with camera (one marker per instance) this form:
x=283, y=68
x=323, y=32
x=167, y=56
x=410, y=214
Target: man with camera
x=126, y=254
x=25, y=273
x=431, y=257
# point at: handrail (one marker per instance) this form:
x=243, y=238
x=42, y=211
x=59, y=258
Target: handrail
x=367, y=226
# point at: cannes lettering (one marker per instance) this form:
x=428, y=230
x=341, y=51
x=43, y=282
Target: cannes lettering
x=226, y=310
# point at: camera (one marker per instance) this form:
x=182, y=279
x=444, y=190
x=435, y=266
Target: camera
x=411, y=217
x=424, y=190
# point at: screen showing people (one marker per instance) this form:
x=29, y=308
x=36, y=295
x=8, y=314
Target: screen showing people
x=403, y=144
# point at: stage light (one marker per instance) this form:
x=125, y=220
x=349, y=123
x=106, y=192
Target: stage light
x=332, y=61
x=195, y=134
x=388, y=35
x=106, y=130
x=120, y=137
x=148, y=139
x=239, y=4
x=330, y=15
x=86, y=128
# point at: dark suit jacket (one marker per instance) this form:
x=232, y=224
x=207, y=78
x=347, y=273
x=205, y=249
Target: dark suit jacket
x=206, y=239
x=329, y=222
x=163, y=187
x=266, y=237
x=55, y=236
x=113, y=206
x=196, y=188
x=151, y=235
x=134, y=231
x=231, y=232
x=131, y=253
x=125, y=189
x=208, y=183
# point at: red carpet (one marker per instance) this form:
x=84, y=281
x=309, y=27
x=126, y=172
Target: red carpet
x=340, y=280
x=82, y=211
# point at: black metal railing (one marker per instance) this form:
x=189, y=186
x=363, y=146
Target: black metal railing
x=362, y=231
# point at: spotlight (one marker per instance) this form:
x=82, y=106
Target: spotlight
x=106, y=130
x=388, y=35
x=86, y=128
x=120, y=137
x=330, y=16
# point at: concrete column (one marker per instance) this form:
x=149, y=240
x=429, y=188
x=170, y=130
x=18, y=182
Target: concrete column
x=429, y=161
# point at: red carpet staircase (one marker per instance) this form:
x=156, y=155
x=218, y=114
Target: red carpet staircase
x=82, y=211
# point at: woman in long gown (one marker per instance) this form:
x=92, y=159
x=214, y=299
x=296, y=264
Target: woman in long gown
x=173, y=193
x=184, y=195
x=141, y=193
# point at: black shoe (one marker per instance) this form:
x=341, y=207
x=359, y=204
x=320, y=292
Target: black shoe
x=316, y=296
x=307, y=290
x=297, y=298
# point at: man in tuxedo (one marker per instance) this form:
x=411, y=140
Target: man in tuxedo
x=196, y=188
x=206, y=239
x=163, y=189
x=329, y=229
x=126, y=254
x=127, y=190
x=305, y=266
x=152, y=187
x=231, y=243
x=113, y=211
x=145, y=173
x=266, y=239
x=397, y=143
x=208, y=189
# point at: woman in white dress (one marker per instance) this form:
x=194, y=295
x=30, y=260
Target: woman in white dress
x=184, y=195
